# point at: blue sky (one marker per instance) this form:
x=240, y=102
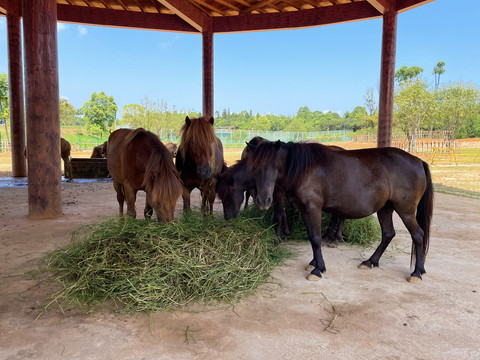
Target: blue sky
x=326, y=68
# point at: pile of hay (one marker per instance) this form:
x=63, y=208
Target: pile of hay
x=143, y=265
x=360, y=232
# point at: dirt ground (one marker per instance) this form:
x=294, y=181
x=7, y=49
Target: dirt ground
x=349, y=314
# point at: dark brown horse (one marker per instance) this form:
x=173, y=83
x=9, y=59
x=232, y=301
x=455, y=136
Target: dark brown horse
x=350, y=184
x=199, y=159
x=100, y=151
x=138, y=160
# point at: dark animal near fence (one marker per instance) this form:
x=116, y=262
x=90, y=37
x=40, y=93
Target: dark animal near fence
x=65, y=150
x=100, y=151
x=349, y=184
x=138, y=160
x=199, y=159
x=173, y=148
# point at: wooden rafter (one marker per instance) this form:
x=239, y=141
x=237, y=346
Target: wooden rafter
x=189, y=13
x=257, y=6
x=382, y=5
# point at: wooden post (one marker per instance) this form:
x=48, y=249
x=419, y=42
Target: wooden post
x=387, y=79
x=207, y=37
x=42, y=108
x=17, y=117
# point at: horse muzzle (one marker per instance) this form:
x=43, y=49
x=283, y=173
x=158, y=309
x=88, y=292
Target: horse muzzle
x=263, y=202
x=204, y=172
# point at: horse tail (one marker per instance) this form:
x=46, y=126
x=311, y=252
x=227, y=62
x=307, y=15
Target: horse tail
x=425, y=211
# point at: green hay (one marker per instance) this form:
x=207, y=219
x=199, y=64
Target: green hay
x=361, y=232
x=143, y=265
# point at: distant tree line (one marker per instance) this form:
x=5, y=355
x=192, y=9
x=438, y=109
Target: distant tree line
x=454, y=108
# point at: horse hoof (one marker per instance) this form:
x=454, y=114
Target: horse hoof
x=333, y=244
x=313, y=277
x=414, y=279
x=364, y=266
x=309, y=268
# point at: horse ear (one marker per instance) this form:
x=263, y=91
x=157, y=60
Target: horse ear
x=211, y=121
x=250, y=146
x=278, y=144
x=187, y=120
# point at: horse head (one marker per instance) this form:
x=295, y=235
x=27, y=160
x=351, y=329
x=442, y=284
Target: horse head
x=267, y=161
x=198, y=143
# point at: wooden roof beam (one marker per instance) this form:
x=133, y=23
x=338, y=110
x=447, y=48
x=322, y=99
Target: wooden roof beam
x=295, y=19
x=382, y=5
x=189, y=13
x=124, y=19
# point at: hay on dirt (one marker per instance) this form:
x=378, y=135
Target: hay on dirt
x=143, y=265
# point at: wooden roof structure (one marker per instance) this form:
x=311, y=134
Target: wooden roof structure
x=221, y=16
x=205, y=17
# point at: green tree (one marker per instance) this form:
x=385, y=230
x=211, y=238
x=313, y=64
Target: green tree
x=100, y=113
x=413, y=108
x=455, y=105
x=68, y=114
x=437, y=71
x=4, y=103
x=405, y=74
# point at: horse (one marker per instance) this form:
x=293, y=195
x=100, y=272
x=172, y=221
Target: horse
x=100, y=151
x=138, y=160
x=65, y=150
x=350, y=184
x=199, y=159
x=237, y=179
x=173, y=148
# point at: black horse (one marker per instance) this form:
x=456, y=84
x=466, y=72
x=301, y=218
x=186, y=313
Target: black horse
x=350, y=184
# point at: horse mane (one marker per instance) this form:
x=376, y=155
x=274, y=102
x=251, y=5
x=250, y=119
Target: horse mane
x=301, y=158
x=263, y=154
x=159, y=166
x=199, y=132
x=223, y=179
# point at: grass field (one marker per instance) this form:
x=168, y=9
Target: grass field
x=463, y=175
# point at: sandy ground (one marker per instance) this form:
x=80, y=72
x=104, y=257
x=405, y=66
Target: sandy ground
x=349, y=314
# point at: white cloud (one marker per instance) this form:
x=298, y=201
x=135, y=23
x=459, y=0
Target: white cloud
x=82, y=30
x=61, y=26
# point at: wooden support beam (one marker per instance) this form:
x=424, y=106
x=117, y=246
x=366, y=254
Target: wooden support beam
x=15, y=79
x=124, y=19
x=387, y=79
x=295, y=19
x=207, y=38
x=189, y=13
x=42, y=108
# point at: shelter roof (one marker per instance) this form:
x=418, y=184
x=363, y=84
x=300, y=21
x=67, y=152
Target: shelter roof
x=219, y=16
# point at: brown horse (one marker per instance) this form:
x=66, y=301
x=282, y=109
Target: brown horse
x=199, y=159
x=65, y=150
x=100, y=151
x=138, y=160
x=350, y=184
x=173, y=148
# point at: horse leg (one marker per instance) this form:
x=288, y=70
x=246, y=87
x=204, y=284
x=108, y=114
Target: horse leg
x=313, y=222
x=247, y=197
x=148, y=211
x=279, y=214
x=186, y=198
x=120, y=196
x=131, y=196
x=338, y=235
x=388, y=232
x=416, y=233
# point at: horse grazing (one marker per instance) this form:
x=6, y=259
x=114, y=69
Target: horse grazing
x=350, y=184
x=138, y=160
x=65, y=150
x=100, y=151
x=199, y=159
x=173, y=148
